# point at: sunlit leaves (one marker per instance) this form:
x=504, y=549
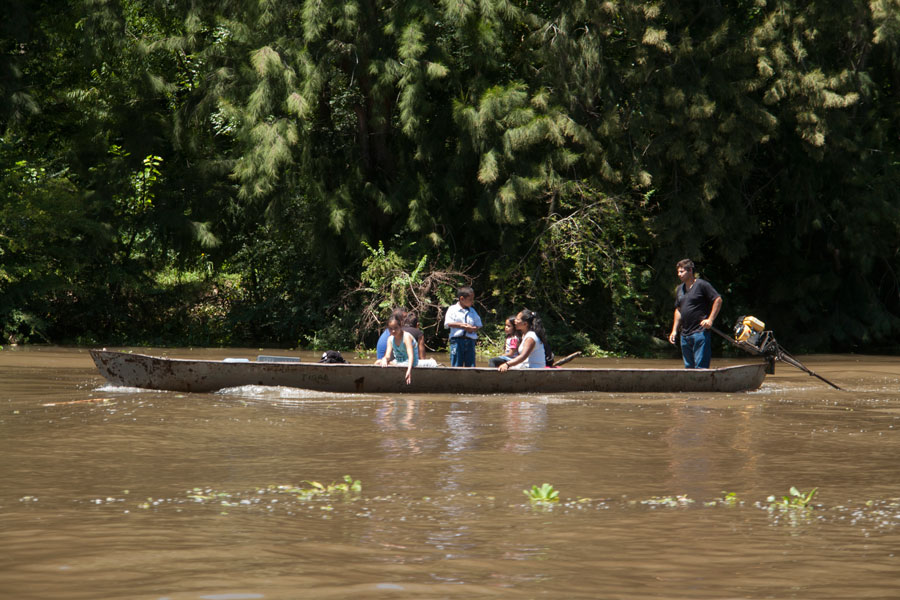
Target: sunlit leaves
x=489, y=131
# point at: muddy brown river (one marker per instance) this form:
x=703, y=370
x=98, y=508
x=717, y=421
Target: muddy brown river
x=113, y=493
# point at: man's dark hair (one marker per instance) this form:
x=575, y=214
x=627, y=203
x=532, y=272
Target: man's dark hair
x=686, y=263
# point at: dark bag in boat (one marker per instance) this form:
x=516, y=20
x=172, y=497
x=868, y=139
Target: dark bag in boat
x=332, y=356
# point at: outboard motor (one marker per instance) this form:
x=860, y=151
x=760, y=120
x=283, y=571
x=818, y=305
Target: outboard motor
x=748, y=329
x=750, y=334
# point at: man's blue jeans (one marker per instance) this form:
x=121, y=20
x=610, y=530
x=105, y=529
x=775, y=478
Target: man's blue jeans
x=696, y=349
x=462, y=352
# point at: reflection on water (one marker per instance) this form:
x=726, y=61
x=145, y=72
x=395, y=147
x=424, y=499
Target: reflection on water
x=523, y=421
x=119, y=493
x=398, y=421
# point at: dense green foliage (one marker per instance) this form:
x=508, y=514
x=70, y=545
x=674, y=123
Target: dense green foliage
x=253, y=171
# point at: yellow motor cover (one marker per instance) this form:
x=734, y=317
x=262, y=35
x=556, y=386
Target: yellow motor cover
x=750, y=326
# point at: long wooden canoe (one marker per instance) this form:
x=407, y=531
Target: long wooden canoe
x=158, y=373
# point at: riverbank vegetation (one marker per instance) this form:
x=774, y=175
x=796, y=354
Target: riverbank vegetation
x=280, y=173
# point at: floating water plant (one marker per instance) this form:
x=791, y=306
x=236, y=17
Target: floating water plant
x=542, y=495
x=201, y=495
x=795, y=499
x=349, y=486
x=729, y=498
x=269, y=497
x=670, y=501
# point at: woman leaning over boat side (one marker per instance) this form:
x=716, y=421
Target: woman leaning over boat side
x=531, y=349
x=402, y=348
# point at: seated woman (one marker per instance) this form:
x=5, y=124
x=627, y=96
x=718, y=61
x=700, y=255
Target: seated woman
x=531, y=350
x=402, y=348
x=513, y=339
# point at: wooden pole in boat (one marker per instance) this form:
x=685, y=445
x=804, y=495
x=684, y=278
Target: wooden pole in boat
x=566, y=359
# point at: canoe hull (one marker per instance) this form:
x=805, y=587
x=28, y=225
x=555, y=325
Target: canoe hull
x=158, y=373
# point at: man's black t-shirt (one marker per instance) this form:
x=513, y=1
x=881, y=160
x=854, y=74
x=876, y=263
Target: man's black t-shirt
x=694, y=304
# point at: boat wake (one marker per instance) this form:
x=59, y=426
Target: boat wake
x=126, y=390
x=283, y=394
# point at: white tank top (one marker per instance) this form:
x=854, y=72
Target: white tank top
x=535, y=360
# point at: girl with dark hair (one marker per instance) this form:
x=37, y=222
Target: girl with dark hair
x=531, y=350
x=381, y=348
x=402, y=348
x=511, y=349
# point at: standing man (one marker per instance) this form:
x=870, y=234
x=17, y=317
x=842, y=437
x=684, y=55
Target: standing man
x=464, y=324
x=697, y=304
